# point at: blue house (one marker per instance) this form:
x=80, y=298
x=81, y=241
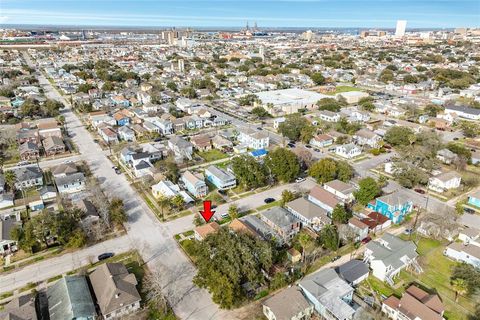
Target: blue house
x=474, y=199
x=394, y=206
x=121, y=119
x=221, y=179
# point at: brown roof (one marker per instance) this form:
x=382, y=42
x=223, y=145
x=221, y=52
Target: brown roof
x=374, y=219
x=21, y=308
x=238, y=226
x=357, y=223
x=65, y=168
x=392, y=302
x=324, y=196
x=200, y=140
x=322, y=137
x=114, y=287
x=430, y=300
x=287, y=303
x=206, y=229
x=416, y=309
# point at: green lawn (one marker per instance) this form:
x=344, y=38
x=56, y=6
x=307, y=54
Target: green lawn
x=340, y=89
x=212, y=155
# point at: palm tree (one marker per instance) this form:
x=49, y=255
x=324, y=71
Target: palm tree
x=10, y=179
x=163, y=202
x=460, y=286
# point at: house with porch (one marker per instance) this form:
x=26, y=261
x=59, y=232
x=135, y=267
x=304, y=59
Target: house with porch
x=195, y=184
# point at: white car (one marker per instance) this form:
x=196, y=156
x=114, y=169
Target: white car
x=298, y=180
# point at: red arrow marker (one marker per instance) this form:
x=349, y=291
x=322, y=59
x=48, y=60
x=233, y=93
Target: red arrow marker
x=207, y=212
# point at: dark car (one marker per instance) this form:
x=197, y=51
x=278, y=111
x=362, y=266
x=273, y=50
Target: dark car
x=316, y=149
x=418, y=190
x=308, y=146
x=456, y=138
x=269, y=200
x=106, y=255
x=366, y=240
x=336, y=258
x=258, y=128
x=118, y=171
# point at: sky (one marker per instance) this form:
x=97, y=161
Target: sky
x=233, y=13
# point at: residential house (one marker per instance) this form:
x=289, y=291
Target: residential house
x=71, y=183
x=321, y=141
x=365, y=137
x=168, y=189
x=323, y=199
x=28, y=135
x=201, y=232
x=446, y=156
x=353, y=96
x=463, y=112
x=469, y=253
x=201, y=142
x=277, y=122
x=470, y=236
x=90, y=214
x=48, y=128
x=415, y=304
x=348, y=151
x=255, y=139
x=445, y=181
x=142, y=168
x=69, y=299
x=29, y=151
x=221, y=143
x=7, y=243
x=353, y=271
x=288, y=304
x=64, y=169
x=308, y=213
x=115, y=290
x=126, y=134
x=98, y=119
x=282, y=222
x=389, y=255
x=359, y=228
x=394, y=206
x=476, y=157
x=220, y=178
x=195, y=184
x=53, y=145
x=181, y=147
x=376, y=222
x=330, y=295
x=20, y=308
x=108, y=134
x=474, y=199
x=28, y=176
x=329, y=116
x=340, y=189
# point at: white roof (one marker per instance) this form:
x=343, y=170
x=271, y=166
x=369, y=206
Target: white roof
x=290, y=96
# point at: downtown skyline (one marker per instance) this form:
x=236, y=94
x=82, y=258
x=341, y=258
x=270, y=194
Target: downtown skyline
x=284, y=13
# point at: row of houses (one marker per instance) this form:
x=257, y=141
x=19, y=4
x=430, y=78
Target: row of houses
x=110, y=289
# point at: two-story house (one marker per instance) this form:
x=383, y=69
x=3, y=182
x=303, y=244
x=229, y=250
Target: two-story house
x=195, y=184
x=282, y=222
x=394, y=206
x=253, y=138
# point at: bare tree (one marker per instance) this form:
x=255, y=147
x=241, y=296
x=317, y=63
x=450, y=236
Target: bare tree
x=99, y=200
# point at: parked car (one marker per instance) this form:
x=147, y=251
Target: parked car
x=316, y=149
x=336, y=258
x=418, y=190
x=225, y=215
x=118, y=171
x=105, y=255
x=366, y=240
x=299, y=179
x=269, y=200
x=408, y=231
x=308, y=146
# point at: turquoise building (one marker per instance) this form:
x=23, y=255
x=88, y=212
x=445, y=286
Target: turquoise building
x=394, y=206
x=474, y=199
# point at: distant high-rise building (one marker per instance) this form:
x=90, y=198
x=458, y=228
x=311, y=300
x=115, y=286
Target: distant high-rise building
x=308, y=35
x=400, y=29
x=181, y=65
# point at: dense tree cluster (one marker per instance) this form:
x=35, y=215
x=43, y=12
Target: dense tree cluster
x=328, y=169
x=228, y=260
x=296, y=127
x=283, y=164
x=249, y=172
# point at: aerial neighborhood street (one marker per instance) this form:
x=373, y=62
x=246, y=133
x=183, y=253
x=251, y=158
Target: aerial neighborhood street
x=249, y=173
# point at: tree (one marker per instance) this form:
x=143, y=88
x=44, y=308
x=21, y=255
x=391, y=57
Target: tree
x=226, y=260
x=307, y=133
x=177, y=201
x=323, y=170
x=292, y=126
x=279, y=280
x=330, y=104
x=345, y=171
x=367, y=191
x=172, y=86
x=288, y=196
x=260, y=112
x=77, y=239
x=85, y=87
x=233, y=211
x=432, y=109
x=470, y=274
x=340, y=214
x=247, y=100
x=460, y=286
x=117, y=212
x=386, y=76
x=283, y=164
x=189, y=92
x=317, y=78
x=470, y=129
x=250, y=173
x=164, y=202
x=171, y=170
x=399, y=136
x=329, y=237
x=10, y=179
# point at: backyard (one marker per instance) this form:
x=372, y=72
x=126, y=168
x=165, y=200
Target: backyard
x=212, y=155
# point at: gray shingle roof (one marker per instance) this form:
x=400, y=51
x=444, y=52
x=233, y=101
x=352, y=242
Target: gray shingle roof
x=390, y=249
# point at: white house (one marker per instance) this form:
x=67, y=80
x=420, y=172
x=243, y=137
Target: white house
x=168, y=189
x=388, y=255
x=445, y=181
x=340, y=189
x=277, y=122
x=366, y=137
x=329, y=116
x=255, y=139
x=348, y=151
x=464, y=112
x=465, y=253
x=71, y=183
x=470, y=236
